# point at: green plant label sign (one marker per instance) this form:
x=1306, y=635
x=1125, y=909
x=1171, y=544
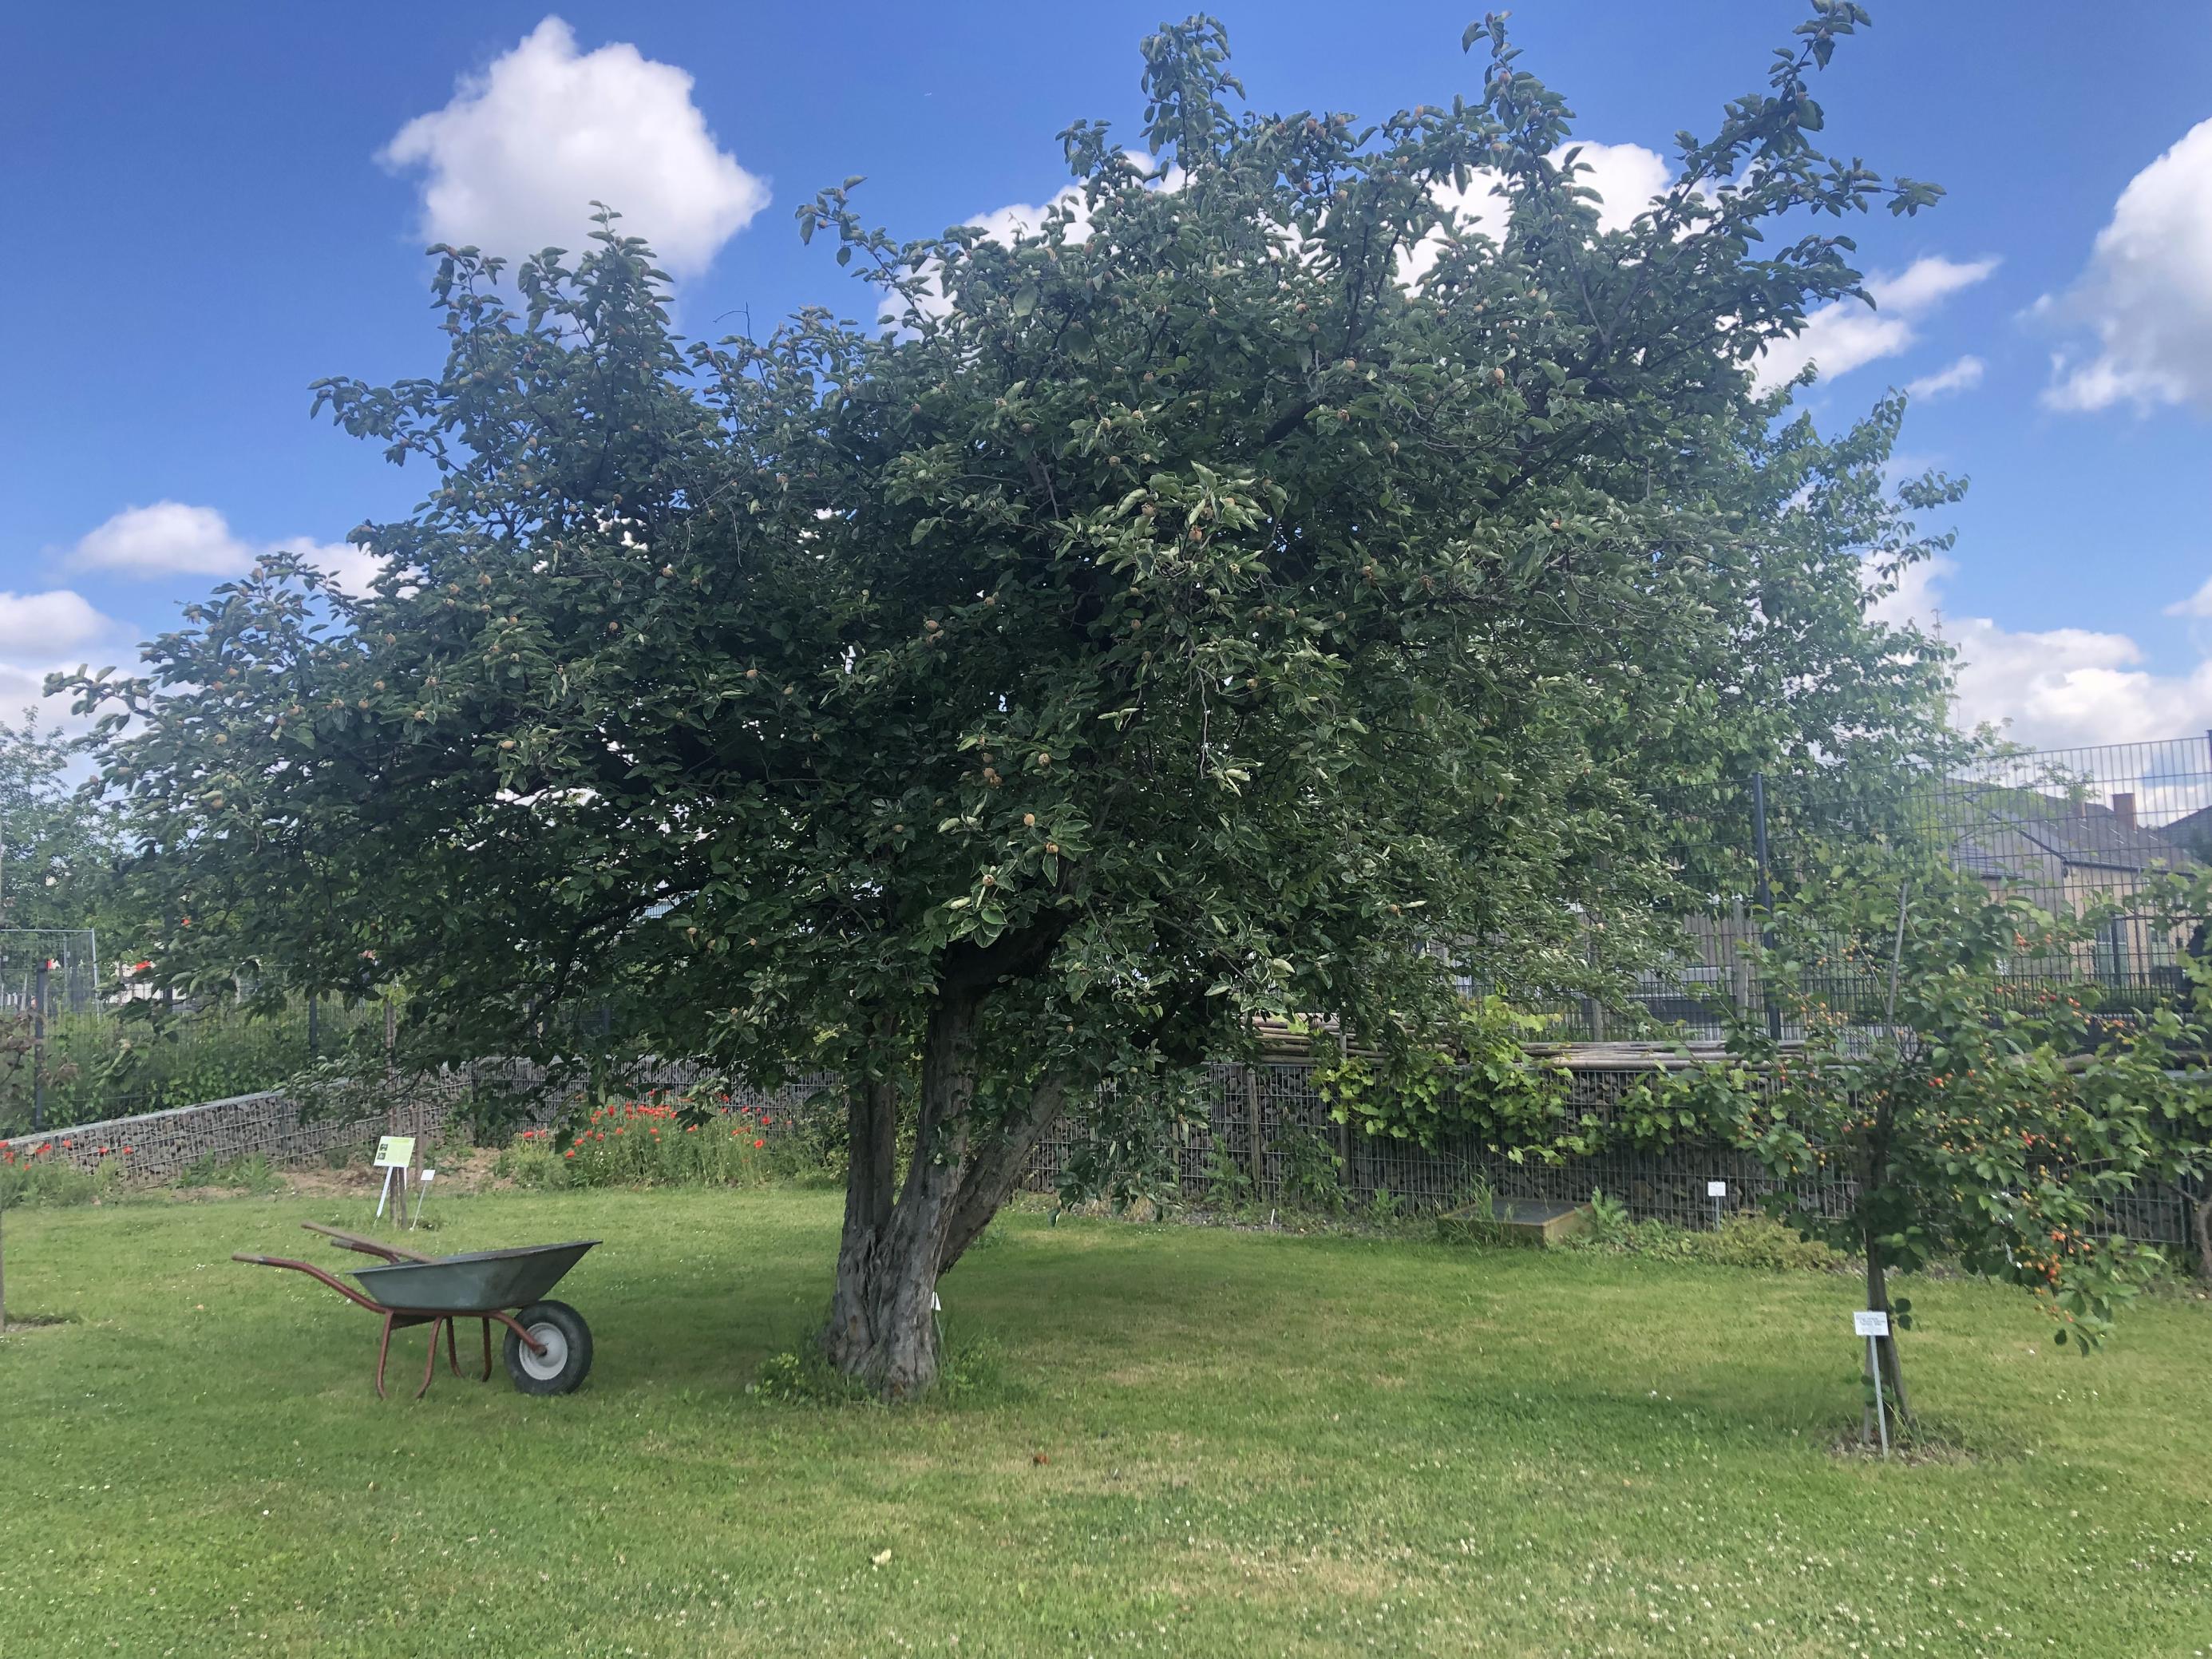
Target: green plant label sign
x=394, y=1152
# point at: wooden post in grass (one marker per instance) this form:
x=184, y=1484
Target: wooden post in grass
x=1344, y=1123
x=1252, y=1126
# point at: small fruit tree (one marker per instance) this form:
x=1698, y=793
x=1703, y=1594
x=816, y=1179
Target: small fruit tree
x=1978, y=1117
x=1191, y=608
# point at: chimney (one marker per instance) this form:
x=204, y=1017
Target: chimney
x=2124, y=809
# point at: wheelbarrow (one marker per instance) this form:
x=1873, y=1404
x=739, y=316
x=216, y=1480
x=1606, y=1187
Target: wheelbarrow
x=549, y=1346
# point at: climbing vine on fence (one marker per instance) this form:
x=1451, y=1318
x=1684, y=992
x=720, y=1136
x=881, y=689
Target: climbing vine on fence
x=1477, y=1077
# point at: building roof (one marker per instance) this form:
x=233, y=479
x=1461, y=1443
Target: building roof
x=2191, y=830
x=2077, y=833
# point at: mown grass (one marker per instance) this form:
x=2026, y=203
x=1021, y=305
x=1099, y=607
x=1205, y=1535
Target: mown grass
x=1199, y=1442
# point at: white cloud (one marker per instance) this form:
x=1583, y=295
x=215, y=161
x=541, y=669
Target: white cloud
x=352, y=568
x=55, y=620
x=2055, y=687
x=2147, y=292
x=24, y=690
x=512, y=163
x=1962, y=376
x=1019, y=219
x=40, y=634
x=1008, y=224
x=1847, y=334
x=2198, y=604
x=171, y=539
x=168, y=538
x=1626, y=176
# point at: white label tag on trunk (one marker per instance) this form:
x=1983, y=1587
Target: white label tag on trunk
x=935, y=1306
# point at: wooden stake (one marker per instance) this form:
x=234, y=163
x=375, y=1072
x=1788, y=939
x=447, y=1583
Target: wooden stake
x=1252, y=1126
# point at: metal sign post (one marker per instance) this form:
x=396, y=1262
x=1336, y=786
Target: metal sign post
x=1874, y=1325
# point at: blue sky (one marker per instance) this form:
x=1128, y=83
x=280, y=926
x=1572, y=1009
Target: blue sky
x=216, y=204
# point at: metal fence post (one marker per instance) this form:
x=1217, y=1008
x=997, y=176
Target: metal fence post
x=38, y=1047
x=1765, y=896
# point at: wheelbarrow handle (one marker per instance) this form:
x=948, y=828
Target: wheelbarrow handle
x=313, y=1271
x=347, y=1241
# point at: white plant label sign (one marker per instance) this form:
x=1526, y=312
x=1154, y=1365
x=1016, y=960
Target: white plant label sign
x=1869, y=1323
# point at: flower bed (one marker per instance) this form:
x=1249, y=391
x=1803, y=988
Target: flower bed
x=668, y=1139
x=35, y=1173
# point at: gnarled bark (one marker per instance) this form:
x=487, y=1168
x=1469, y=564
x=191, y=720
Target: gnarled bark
x=895, y=1246
x=880, y=1329
x=872, y=1124
x=995, y=1169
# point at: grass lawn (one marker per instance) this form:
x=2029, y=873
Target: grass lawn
x=1191, y=1442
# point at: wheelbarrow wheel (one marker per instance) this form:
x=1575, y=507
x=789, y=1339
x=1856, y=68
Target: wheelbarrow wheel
x=567, y=1359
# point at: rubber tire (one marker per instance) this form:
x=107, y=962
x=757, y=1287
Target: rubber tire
x=573, y=1331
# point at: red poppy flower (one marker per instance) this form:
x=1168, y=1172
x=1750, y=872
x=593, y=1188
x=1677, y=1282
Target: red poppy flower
x=759, y=1143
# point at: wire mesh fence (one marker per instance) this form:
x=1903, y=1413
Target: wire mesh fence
x=49, y=970
x=119, y=1055
x=1265, y=1137
x=2072, y=831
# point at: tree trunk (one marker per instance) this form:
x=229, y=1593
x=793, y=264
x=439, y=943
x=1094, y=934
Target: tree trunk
x=872, y=1122
x=997, y=1168
x=881, y=1327
x=1885, y=1347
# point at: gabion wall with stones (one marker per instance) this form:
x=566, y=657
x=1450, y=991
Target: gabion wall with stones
x=161, y=1146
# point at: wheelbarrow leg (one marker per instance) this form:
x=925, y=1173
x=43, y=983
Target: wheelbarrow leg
x=430, y=1363
x=453, y=1358
x=383, y=1352
x=486, y=1377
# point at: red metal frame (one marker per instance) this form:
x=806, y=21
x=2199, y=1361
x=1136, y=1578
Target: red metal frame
x=397, y=1319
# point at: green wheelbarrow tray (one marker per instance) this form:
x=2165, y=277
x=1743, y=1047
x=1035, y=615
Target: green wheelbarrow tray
x=469, y=1284
x=549, y=1346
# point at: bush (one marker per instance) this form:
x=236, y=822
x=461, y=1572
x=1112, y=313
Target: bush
x=40, y=1174
x=531, y=1163
x=1312, y=1173
x=1476, y=1078
x=28, y=1181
